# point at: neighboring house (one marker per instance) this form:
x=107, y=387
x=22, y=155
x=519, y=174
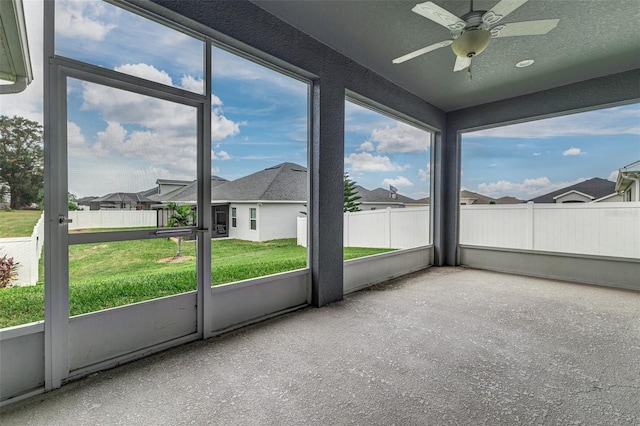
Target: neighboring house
x=261, y=206
x=591, y=190
x=121, y=201
x=473, y=198
x=85, y=201
x=628, y=182
x=380, y=198
x=167, y=186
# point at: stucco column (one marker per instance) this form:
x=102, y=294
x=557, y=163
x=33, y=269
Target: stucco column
x=446, y=197
x=326, y=191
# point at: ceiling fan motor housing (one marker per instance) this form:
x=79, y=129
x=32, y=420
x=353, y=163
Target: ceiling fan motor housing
x=471, y=43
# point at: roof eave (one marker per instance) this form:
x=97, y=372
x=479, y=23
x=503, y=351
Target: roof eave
x=18, y=69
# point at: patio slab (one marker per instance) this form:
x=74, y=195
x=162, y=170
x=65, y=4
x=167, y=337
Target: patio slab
x=443, y=346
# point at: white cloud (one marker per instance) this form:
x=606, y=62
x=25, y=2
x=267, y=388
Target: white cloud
x=537, y=154
x=425, y=174
x=529, y=188
x=366, y=146
x=113, y=138
x=398, y=181
x=401, y=138
x=222, y=127
x=145, y=71
x=610, y=121
x=173, y=121
x=613, y=176
x=75, y=138
x=78, y=19
x=371, y=163
x=573, y=151
x=226, y=64
x=220, y=155
x=195, y=85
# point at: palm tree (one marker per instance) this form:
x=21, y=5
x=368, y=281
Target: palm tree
x=181, y=216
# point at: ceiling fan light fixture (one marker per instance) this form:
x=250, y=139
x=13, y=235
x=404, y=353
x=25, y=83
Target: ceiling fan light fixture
x=471, y=43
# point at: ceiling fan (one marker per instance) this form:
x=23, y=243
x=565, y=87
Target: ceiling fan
x=472, y=33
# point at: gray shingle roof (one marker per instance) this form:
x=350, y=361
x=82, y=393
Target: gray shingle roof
x=123, y=197
x=478, y=198
x=595, y=187
x=284, y=182
x=509, y=200
x=189, y=193
x=380, y=195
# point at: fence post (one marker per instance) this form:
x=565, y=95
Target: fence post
x=530, y=230
x=388, y=226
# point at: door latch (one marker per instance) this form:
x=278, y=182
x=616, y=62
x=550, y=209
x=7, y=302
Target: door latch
x=63, y=220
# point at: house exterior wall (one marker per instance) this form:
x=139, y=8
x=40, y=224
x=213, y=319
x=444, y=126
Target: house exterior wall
x=278, y=220
x=242, y=230
x=632, y=192
x=613, y=199
x=273, y=220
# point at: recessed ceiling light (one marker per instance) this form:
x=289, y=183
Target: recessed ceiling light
x=525, y=63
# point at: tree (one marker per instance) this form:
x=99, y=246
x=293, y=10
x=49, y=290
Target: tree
x=72, y=201
x=181, y=216
x=351, y=197
x=21, y=160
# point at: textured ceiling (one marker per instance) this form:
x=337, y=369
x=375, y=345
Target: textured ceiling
x=593, y=38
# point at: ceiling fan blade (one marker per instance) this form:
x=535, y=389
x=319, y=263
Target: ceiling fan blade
x=524, y=28
x=500, y=10
x=461, y=63
x=422, y=51
x=439, y=15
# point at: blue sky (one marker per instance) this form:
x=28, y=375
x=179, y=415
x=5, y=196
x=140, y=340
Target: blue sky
x=260, y=119
x=534, y=158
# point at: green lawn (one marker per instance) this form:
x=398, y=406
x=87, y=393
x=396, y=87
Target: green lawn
x=106, y=275
x=18, y=223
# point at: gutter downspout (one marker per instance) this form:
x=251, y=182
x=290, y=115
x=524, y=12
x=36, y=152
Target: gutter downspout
x=637, y=181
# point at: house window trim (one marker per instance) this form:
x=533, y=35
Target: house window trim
x=253, y=218
x=234, y=223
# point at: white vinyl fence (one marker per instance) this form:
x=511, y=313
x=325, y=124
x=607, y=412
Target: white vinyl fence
x=388, y=228
x=91, y=219
x=26, y=251
x=606, y=229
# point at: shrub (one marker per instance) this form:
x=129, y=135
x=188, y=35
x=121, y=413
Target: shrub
x=8, y=271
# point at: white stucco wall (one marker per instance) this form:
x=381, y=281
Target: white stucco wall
x=274, y=220
x=278, y=220
x=242, y=229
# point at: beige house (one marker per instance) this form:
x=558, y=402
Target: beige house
x=628, y=182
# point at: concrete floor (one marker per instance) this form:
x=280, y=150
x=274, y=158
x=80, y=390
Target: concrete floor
x=446, y=346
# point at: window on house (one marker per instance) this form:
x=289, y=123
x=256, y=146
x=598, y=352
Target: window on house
x=233, y=217
x=252, y=219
